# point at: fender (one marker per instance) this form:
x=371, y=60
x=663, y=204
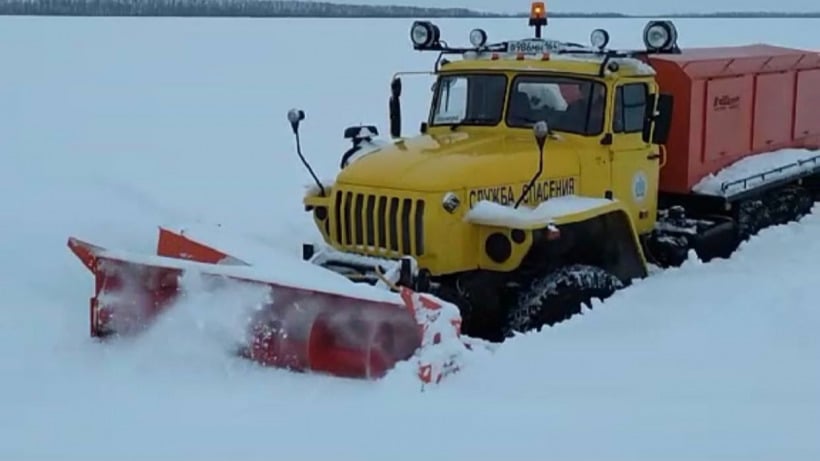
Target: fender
x=555, y=228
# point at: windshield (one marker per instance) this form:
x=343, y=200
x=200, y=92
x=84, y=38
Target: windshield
x=470, y=99
x=567, y=104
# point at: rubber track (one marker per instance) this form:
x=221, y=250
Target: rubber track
x=560, y=295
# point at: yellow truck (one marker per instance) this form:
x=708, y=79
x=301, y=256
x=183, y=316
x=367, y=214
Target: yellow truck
x=535, y=184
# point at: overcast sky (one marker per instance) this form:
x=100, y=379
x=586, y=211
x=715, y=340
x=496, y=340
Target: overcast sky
x=619, y=6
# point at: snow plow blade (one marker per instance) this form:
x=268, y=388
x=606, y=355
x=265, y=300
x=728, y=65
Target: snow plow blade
x=290, y=327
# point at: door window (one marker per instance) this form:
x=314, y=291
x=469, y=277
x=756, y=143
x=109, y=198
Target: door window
x=630, y=108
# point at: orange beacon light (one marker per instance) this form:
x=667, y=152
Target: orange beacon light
x=538, y=17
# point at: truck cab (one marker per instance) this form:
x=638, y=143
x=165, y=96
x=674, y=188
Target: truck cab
x=598, y=123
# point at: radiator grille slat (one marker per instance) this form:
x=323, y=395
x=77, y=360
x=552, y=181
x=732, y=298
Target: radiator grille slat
x=382, y=214
x=370, y=221
x=357, y=219
x=393, y=224
x=419, y=227
x=406, y=206
x=378, y=224
x=347, y=228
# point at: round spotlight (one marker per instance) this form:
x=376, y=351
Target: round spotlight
x=423, y=34
x=599, y=38
x=659, y=35
x=478, y=37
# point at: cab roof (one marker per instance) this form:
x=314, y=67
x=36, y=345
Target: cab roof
x=587, y=64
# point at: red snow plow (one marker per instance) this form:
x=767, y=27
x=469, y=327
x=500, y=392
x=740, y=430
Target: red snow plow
x=289, y=326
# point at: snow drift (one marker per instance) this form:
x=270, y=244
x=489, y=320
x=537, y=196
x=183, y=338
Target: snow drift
x=114, y=126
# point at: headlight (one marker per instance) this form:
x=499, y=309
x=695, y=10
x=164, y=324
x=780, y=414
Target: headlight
x=660, y=35
x=599, y=38
x=424, y=34
x=478, y=37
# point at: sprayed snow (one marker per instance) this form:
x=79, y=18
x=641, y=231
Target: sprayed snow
x=494, y=214
x=757, y=170
x=117, y=125
x=442, y=349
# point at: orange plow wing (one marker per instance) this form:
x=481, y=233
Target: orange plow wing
x=300, y=329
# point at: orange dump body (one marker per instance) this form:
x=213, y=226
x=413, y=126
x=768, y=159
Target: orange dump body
x=732, y=102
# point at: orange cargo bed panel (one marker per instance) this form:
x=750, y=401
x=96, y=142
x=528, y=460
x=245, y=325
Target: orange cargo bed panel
x=732, y=102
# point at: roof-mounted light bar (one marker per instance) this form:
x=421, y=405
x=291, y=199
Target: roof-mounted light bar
x=659, y=36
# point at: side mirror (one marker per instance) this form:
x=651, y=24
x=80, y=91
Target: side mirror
x=649, y=118
x=540, y=130
x=663, y=119
x=295, y=116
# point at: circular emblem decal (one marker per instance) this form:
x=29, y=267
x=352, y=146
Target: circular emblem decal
x=639, y=184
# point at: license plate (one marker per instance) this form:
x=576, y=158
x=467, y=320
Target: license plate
x=533, y=46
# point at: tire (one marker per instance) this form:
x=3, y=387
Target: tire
x=558, y=296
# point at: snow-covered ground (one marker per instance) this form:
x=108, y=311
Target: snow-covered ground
x=110, y=127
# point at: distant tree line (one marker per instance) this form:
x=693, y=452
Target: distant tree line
x=717, y=14
x=228, y=8
x=290, y=8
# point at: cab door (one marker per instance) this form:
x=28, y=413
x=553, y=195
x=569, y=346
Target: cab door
x=634, y=161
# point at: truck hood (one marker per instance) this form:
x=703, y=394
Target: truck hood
x=457, y=161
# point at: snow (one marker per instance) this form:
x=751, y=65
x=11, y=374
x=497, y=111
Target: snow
x=369, y=147
x=758, y=169
x=494, y=214
x=273, y=269
x=635, y=65
x=111, y=127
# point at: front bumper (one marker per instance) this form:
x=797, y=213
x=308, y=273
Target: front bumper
x=384, y=273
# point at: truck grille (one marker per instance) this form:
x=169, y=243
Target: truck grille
x=379, y=223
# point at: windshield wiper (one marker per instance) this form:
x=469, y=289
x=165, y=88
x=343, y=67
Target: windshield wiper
x=526, y=120
x=532, y=121
x=472, y=121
